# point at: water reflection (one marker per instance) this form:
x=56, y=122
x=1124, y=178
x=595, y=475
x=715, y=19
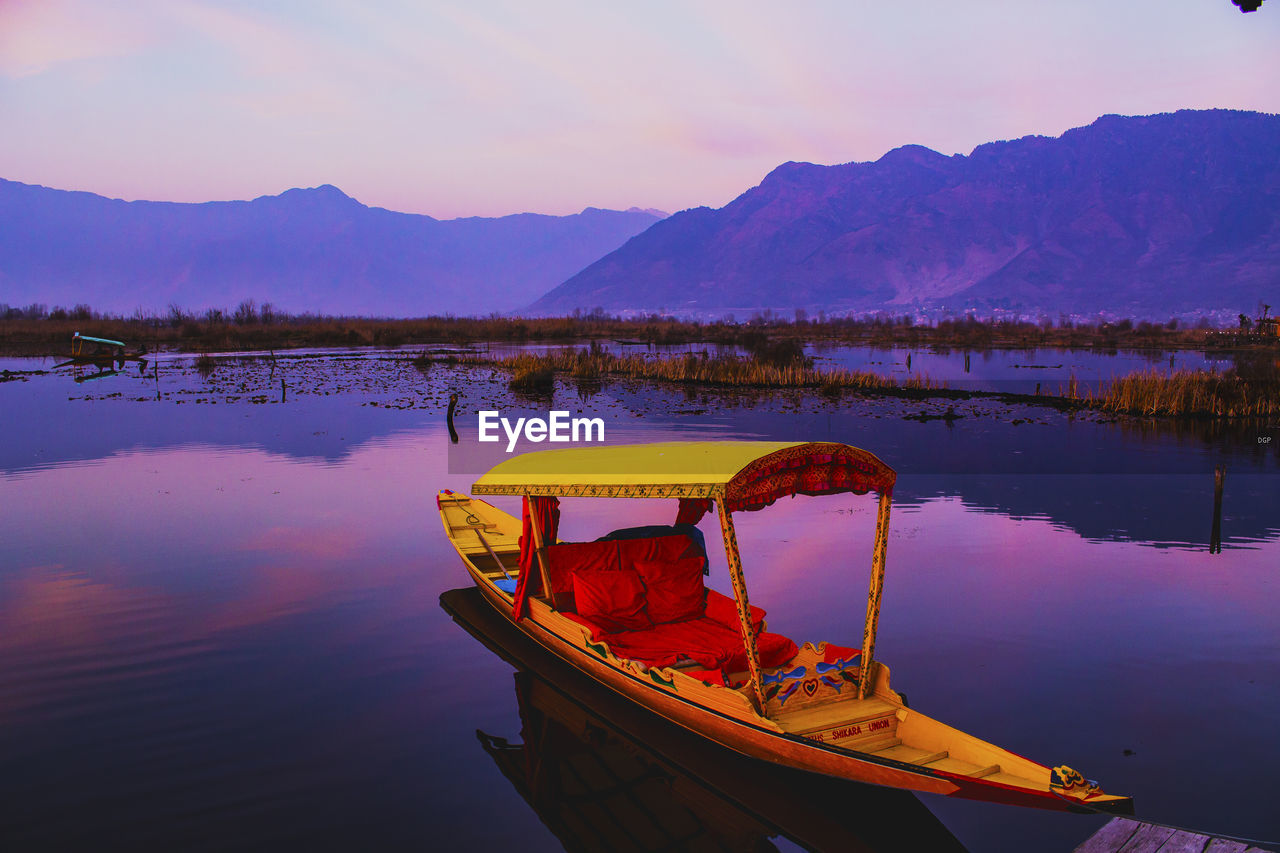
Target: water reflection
x=603, y=774
x=1017, y=371
x=1139, y=481
x=218, y=628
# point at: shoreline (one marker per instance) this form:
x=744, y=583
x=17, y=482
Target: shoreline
x=50, y=335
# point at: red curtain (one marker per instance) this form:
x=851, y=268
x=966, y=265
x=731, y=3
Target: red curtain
x=545, y=512
x=692, y=510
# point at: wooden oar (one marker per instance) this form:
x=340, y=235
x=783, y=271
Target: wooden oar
x=492, y=553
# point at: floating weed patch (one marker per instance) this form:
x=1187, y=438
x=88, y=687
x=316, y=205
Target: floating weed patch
x=533, y=378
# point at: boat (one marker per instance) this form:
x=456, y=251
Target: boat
x=631, y=611
x=605, y=774
x=103, y=352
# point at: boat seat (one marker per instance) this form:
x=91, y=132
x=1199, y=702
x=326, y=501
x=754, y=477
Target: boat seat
x=645, y=597
x=711, y=641
x=566, y=559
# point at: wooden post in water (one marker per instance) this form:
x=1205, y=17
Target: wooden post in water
x=873, y=595
x=453, y=404
x=1215, y=535
x=740, y=596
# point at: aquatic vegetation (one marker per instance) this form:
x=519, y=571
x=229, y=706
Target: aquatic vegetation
x=534, y=378
x=1144, y=393
x=1187, y=393
x=703, y=369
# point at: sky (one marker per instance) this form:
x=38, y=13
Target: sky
x=484, y=108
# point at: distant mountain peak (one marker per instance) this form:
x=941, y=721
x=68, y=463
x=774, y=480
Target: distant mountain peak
x=790, y=170
x=324, y=194
x=918, y=154
x=651, y=211
x=647, y=211
x=1147, y=215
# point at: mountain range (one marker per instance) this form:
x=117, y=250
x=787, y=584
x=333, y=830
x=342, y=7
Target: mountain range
x=306, y=250
x=1144, y=216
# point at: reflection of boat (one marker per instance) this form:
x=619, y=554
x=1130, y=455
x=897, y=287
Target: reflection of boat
x=631, y=611
x=81, y=377
x=604, y=774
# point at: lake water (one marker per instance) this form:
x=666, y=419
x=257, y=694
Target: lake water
x=220, y=617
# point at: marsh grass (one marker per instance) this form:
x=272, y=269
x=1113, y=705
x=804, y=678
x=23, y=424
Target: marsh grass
x=205, y=364
x=1186, y=393
x=532, y=378
x=768, y=337
x=1144, y=393
x=529, y=370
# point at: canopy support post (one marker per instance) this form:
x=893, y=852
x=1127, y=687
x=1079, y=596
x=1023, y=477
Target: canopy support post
x=740, y=597
x=541, y=553
x=865, y=683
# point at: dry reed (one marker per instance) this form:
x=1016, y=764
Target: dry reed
x=693, y=369
x=1187, y=393
x=768, y=336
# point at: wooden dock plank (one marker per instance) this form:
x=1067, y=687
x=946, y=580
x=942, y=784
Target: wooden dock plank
x=1148, y=839
x=1111, y=837
x=1182, y=841
x=1223, y=845
x=1124, y=835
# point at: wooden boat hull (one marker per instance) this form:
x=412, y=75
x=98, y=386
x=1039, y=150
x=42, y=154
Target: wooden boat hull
x=817, y=812
x=727, y=717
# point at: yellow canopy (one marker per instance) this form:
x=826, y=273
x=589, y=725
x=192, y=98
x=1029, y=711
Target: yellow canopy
x=750, y=474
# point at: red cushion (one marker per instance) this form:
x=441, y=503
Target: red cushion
x=596, y=631
x=613, y=600
x=674, y=590
x=773, y=649
x=566, y=558
x=662, y=645
x=724, y=610
x=709, y=643
x=832, y=653
x=657, y=548
x=713, y=677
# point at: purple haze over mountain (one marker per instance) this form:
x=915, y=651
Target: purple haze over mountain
x=1140, y=215
x=305, y=250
